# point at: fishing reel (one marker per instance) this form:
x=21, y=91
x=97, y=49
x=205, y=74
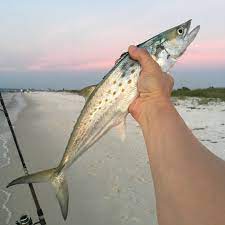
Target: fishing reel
x=25, y=220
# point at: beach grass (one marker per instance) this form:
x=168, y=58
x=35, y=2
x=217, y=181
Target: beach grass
x=206, y=95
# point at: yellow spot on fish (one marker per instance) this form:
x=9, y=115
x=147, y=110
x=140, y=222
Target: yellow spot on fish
x=120, y=84
x=132, y=71
x=99, y=102
x=109, y=91
x=114, y=93
x=99, y=108
x=132, y=64
x=123, y=90
x=129, y=81
x=106, y=100
x=114, y=82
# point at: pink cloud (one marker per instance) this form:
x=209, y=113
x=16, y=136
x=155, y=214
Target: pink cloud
x=95, y=65
x=207, y=54
x=71, y=62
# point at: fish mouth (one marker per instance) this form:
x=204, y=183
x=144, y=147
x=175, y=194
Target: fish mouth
x=190, y=36
x=188, y=25
x=193, y=33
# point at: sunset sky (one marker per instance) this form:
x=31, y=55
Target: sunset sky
x=60, y=41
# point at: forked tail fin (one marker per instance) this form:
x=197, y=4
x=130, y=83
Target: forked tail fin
x=58, y=181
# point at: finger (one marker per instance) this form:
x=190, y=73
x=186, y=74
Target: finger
x=143, y=57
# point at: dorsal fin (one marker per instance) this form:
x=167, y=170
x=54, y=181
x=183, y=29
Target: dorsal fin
x=86, y=91
x=123, y=55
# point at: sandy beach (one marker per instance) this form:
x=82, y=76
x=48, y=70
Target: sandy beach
x=111, y=183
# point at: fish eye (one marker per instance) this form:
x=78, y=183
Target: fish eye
x=180, y=31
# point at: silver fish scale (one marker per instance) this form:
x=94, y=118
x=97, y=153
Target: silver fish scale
x=107, y=107
x=108, y=104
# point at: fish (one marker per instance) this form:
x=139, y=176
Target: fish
x=86, y=91
x=107, y=105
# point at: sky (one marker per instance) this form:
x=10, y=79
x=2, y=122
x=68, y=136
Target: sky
x=69, y=44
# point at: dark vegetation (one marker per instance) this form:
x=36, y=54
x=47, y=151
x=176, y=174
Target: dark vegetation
x=209, y=93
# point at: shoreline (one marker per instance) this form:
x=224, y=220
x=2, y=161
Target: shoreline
x=212, y=93
x=15, y=107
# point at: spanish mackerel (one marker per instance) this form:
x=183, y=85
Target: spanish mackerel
x=108, y=102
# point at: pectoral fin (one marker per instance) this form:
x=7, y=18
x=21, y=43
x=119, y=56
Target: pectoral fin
x=123, y=55
x=121, y=128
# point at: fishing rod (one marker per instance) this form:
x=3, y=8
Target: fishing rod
x=24, y=220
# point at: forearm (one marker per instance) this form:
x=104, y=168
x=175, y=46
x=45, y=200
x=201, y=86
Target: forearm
x=189, y=180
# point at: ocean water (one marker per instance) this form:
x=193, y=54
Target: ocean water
x=14, y=103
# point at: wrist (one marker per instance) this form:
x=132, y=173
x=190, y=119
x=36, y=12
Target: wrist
x=154, y=108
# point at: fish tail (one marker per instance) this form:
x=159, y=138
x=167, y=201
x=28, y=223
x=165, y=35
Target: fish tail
x=58, y=181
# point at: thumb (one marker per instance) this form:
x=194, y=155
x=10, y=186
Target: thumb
x=148, y=64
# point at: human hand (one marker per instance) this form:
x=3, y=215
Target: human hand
x=154, y=86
